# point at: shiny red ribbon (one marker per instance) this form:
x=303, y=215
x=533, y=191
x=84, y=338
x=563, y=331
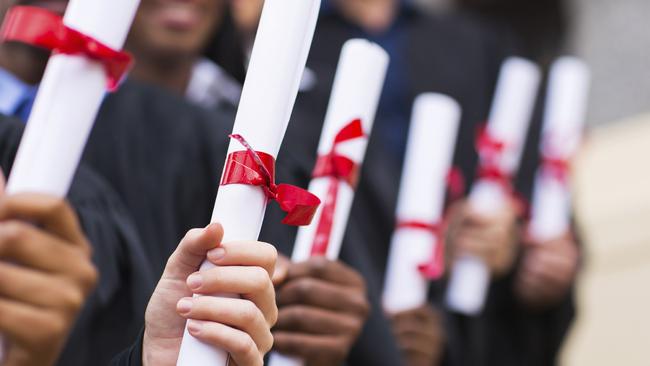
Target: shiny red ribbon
x=337, y=168
x=257, y=168
x=490, y=150
x=43, y=28
x=435, y=267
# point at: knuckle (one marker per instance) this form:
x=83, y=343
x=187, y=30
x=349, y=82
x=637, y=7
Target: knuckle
x=260, y=278
x=303, y=288
x=13, y=232
x=244, y=346
x=88, y=277
x=318, y=266
x=249, y=312
x=72, y=299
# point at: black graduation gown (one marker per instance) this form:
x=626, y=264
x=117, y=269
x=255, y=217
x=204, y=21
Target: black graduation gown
x=454, y=57
x=112, y=311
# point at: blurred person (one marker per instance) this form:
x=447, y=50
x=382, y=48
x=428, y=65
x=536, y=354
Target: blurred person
x=168, y=39
x=538, y=28
x=454, y=56
x=306, y=292
x=246, y=15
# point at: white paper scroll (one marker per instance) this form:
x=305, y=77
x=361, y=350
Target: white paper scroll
x=69, y=97
x=564, y=120
x=283, y=40
x=429, y=156
x=510, y=118
x=68, y=100
x=357, y=88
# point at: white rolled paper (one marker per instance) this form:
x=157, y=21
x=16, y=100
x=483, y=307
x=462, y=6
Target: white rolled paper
x=279, y=55
x=68, y=99
x=429, y=157
x=509, y=121
x=564, y=121
x=355, y=95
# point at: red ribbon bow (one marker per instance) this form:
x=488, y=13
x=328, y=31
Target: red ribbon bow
x=337, y=168
x=257, y=168
x=557, y=168
x=490, y=151
x=45, y=29
x=435, y=267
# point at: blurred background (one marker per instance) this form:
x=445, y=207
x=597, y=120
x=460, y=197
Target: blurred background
x=611, y=182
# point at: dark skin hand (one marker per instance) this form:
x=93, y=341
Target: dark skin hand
x=323, y=306
x=420, y=335
x=494, y=239
x=547, y=271
x=45, y=276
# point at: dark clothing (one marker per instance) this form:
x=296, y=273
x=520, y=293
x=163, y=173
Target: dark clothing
x=113, y=310
x=454, y=57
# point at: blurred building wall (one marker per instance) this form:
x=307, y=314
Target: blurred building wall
x=614, y=37
x=612, y=195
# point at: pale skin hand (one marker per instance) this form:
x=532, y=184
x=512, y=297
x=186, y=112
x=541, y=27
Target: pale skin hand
x=323, y=307
x=239, y=326
x=420, y=335
x=45, y=276
x=494, y=239
x=547, y=271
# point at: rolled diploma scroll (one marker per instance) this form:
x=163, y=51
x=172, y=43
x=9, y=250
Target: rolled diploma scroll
x=510, y=117
x=68, y=99
x=429, y=156
x=564, y=120
x=357, y=88
x=277, y=62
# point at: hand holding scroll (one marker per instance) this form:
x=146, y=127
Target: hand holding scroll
x=45, y=276
x=420, y=335
x=547, y=271
x=323, y=307
x=494, y=239
x=241, y=326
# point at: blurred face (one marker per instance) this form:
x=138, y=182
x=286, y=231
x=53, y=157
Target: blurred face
x=57, y=6
x=173, y=28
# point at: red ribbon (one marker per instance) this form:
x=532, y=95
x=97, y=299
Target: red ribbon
x=557, y=168
x=337, y=168
x=43, y=28
x=257, y=168
x=490, y=151
x=435, y=267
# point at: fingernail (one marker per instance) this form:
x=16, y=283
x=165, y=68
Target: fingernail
x=216, y=254
x=195, y=281
x=194, y=326
x=184, y=306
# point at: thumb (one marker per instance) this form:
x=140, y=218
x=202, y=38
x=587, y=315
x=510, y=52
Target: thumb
x=192, y=251
x=281, y=270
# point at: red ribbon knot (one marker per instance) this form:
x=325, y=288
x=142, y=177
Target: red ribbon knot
x=43, y=28
x=490, y=151
x=257, y=168
x=337, y=168
x=434, y=268
x=558, y=168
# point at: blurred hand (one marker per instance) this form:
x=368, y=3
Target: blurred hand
x=45, y=276
x=493, y=239
x=323, y=307
x=547, y=271
x=420, y=336
x=241, y=326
